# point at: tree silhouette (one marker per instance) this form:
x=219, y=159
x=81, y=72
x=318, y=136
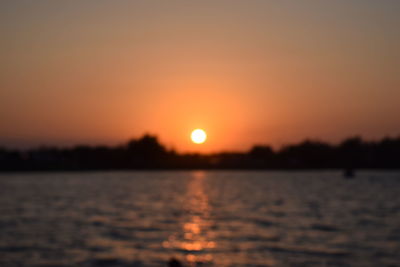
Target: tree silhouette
x=146, y=152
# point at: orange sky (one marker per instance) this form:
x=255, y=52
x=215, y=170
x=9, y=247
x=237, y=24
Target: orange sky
x=270, y=72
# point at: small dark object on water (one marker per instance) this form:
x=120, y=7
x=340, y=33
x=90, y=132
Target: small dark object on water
x=174, y=263
x=349, y=173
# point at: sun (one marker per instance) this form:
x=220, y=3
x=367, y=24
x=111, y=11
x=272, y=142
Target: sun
x=198, y=136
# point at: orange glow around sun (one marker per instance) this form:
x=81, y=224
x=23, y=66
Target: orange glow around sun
x=197, y=103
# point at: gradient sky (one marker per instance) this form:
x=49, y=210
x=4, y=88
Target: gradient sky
x=266, y=72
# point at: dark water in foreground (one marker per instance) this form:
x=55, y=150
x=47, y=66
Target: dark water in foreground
x=202, y=218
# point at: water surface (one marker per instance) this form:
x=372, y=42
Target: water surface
x=203, y=218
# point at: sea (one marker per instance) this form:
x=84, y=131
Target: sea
x=200, y=218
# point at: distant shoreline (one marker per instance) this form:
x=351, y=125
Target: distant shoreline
x=146, y=153
x=194, y=170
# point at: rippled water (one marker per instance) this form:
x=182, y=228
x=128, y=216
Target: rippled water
x=201, y=218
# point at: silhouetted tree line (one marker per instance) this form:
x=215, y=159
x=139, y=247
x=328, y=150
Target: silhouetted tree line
x=147, y=153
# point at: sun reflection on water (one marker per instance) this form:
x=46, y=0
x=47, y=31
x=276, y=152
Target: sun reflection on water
x=194, y=239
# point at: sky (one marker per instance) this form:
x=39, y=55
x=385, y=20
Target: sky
x=247, y=72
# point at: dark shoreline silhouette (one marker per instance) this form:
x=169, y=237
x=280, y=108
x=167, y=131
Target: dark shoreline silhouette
x=146, y=153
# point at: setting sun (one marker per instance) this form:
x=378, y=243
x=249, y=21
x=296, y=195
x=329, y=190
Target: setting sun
x=199, y=136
